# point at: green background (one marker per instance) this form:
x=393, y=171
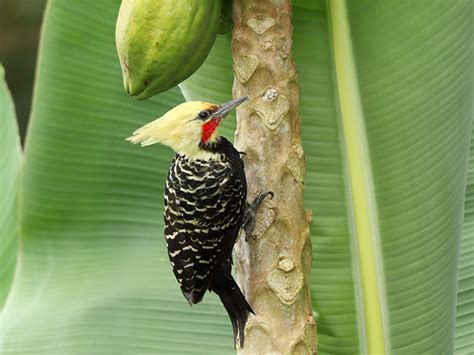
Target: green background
x=93, y=275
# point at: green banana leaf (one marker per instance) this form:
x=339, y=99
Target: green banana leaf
x=93, y=276
x=464, y=341
x=10, y=161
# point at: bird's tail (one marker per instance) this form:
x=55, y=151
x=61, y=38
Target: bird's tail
x=234, y=302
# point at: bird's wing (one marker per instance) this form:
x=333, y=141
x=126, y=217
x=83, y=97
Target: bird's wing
x=201, y=224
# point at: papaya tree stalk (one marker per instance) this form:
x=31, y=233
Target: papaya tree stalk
x=273, y=265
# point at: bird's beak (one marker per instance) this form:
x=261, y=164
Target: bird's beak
x=224, y=109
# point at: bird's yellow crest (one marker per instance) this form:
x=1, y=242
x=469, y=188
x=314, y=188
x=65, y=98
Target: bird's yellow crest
x=180, y=128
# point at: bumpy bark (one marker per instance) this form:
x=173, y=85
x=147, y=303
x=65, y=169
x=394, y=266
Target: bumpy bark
x=273, y=266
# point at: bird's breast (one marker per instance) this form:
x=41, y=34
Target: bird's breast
x=202, y=192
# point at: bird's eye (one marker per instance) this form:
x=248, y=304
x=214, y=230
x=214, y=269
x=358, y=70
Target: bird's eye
x=203, y=115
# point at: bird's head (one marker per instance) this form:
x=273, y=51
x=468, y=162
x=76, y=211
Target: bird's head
x=189, y=129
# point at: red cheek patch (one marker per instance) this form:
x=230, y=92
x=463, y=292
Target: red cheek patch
x=208, y=129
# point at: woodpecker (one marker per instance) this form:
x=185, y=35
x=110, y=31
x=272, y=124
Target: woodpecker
x=204, y=207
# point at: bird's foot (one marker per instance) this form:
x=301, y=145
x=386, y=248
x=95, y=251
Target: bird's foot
x=250, y=214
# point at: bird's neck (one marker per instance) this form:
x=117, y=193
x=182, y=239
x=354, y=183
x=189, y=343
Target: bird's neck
x=202, y=151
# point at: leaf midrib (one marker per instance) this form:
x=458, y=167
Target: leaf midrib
x=363, y=215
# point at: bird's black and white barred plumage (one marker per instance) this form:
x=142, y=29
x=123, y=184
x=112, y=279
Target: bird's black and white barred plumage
x=204, y=202
x=204, y=207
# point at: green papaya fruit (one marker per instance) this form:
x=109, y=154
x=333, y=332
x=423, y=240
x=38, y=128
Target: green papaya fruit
x=162, y=42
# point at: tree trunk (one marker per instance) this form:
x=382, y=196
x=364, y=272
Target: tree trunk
x=273, y=266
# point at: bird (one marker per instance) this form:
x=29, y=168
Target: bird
x=204, y=203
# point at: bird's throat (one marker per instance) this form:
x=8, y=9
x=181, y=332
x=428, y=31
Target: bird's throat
x=209, y=130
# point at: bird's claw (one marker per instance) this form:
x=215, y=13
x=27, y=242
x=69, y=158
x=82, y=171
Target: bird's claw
x=250, y=214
